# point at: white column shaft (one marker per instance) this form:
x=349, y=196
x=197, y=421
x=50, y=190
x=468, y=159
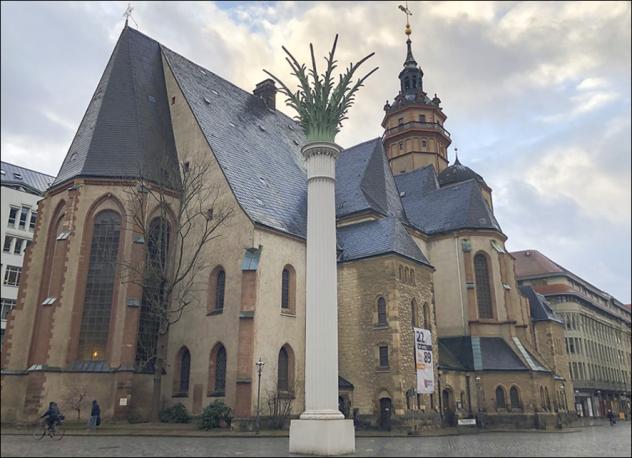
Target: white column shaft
x=321, y=346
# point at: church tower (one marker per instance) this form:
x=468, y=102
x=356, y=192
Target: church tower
x=414, y=136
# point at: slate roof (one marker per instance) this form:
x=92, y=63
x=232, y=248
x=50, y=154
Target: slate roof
x=374, y=238
x=36, y=182
x=540, y=309
x=257, y=148
x=126, y=130
x=458, y=173
x=479, y=354
x=418, y=182
x=449, y=208
x=364, y=181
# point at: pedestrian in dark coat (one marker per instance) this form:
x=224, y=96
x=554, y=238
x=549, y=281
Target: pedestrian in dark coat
x=95, y=416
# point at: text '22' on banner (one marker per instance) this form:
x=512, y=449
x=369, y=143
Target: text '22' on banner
x=424, y=362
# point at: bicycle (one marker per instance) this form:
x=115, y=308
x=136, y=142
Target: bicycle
x=56, y=431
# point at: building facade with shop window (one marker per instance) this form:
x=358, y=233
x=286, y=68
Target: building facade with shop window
x=418, y=246
x=21, y=189
x=597, y=333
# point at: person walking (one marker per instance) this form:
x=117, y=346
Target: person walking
x=611, y=417
x=95, y=416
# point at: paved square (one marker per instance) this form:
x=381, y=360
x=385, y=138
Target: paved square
x=590, y=441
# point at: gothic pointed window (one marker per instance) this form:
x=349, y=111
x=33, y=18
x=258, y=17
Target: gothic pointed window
x=500, y=398
x=219, y=291
x=157, y=240
x=283, y=378
x=100, y=281
x=220, y=370
x=483, y=289
x=182, y=372
x=514, y=397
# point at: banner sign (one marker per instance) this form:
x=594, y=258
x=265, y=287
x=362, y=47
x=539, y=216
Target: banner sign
x=423, y=360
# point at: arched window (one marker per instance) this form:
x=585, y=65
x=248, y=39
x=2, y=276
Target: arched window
x=285, y=370
x=401, y=278
x=500, y=398
x=219, y=290
x=285, y=289
x=413, y=308
x=542, y=400
x=288, y=289
x=483, y=290
x=216, y=289
x=548, y=399
x=182, y=372
x=426, y=313
x=381, y=312
x=217, y=371
x=97, y=306
x=514, y=397
x=153, y=294
x=220, y=370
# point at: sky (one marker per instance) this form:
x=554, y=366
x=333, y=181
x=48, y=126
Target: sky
x=537, y=94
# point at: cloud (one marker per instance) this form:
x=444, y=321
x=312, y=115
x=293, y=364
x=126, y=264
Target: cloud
x=537, y=94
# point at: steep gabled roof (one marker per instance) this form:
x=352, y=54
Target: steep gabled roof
x=364, y=181
x=126, y=130
x=450, y=208
x=258, y=149
x=540, y=309
x=374, y=238
x=16, y=176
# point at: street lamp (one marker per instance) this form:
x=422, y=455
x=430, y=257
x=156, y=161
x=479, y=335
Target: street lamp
x=259, y=365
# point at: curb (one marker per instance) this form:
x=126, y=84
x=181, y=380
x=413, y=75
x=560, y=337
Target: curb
x=284, y=435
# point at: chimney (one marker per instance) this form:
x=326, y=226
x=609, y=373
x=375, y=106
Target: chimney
x=266, y=91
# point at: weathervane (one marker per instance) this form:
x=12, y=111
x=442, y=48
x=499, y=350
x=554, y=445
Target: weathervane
x=128, y=14
x=408, y=13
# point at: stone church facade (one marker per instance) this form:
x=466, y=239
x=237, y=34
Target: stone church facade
x=418, y=246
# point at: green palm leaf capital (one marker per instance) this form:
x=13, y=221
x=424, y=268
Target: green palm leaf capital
x=320, y=104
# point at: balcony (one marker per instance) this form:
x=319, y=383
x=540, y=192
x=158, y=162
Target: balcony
x=415, y=125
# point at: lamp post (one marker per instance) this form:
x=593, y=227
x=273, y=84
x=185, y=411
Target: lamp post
x=259, y=365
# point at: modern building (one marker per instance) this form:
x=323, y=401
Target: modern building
x=21, y=190
x=597, y=333
x=418, y=246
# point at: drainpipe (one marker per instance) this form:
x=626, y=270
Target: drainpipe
x=458, y=270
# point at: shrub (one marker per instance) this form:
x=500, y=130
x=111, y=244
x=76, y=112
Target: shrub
x=214, y=414
x=175, y=414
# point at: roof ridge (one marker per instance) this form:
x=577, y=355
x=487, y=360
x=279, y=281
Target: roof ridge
x=359, y=144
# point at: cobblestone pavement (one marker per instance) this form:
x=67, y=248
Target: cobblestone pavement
x=589, y=441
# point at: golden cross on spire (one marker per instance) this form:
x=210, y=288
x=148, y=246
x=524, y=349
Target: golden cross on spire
x=408, y=13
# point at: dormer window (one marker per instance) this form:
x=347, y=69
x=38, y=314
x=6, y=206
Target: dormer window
x=17, y=176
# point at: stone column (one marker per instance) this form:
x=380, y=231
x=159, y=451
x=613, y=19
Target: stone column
x=322, y=429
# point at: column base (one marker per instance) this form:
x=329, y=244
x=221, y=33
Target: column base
x=322, y=437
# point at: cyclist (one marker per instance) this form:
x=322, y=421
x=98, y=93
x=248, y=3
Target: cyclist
x=53, y=416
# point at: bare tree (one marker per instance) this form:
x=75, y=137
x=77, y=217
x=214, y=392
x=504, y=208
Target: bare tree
x=280, y=408
x=76, y=398
x=173, y=224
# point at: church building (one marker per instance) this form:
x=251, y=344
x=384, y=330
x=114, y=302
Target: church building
x=418, y=246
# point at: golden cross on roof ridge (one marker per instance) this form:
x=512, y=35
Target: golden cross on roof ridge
x=128, y=14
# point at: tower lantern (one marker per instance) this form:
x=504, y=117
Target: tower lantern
x=414, y=135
